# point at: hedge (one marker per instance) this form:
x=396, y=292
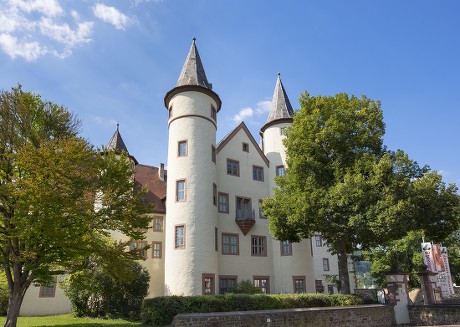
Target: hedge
x=160, y=311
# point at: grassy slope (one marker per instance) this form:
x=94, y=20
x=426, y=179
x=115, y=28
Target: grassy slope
x=70, y=321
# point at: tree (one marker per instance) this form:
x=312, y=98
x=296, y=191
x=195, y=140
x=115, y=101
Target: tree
x=100, y=291
x=50, y=180
x=342, y=182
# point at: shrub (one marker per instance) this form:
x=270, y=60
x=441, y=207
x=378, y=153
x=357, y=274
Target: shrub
x=160, y=311
x=95, y=292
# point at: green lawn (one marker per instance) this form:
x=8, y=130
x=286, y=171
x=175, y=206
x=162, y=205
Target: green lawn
x=70, y=321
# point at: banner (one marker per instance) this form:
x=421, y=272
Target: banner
x=436, y=259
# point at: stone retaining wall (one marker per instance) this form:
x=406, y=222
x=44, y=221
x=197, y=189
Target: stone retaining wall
x=437, y=314
x=353, y=316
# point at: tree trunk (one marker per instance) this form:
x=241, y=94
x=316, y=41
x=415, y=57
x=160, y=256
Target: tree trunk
x=344, y=277
x=14, y=305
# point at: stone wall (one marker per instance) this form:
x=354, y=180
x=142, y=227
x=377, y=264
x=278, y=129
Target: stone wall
x=353, y=316
x=438, y=314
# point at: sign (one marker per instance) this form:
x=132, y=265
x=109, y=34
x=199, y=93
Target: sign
x=436, y=259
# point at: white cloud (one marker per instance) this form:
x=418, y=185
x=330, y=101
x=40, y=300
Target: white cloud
x=243, y=114
x=111, y=15
x=65, y=35
x=14, y=48
x=263, y=107
x=49, y=8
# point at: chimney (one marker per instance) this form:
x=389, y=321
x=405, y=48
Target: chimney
x=161, y=172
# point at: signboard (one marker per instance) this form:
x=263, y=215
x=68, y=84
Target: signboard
x=436, y=259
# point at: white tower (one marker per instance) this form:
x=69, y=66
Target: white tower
x=191, y=264
x=272, y=133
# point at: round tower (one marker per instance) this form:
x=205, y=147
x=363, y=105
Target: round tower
x=285, y=267
x=191, y=203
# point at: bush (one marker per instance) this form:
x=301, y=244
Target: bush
x=95, y=292
x=4, y=293
x=160, y=311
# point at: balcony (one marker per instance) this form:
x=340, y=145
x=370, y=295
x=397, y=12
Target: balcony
x=245, y=219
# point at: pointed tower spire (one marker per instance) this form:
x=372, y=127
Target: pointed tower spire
x=116, y=142
x=281, y=109
x=193, y=78
x=193, y=71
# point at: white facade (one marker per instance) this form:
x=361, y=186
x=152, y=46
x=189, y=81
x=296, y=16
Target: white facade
x=208, y=233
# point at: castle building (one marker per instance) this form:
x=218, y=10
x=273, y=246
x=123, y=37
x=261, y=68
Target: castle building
x=207, y=232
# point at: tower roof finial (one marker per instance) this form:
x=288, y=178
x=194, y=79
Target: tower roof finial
x=193, y=71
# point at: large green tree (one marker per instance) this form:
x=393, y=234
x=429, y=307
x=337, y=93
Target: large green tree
x=51, y=182
x=342, y=182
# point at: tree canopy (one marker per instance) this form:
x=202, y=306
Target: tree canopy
x=50, y=180
x=342, y=182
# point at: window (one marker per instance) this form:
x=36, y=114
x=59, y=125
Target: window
x=156, y=250
x=243, y=208
x=245, y=147
x=325, y=264
x=259, y=245
x=213, y=153
x=258, y=173
x=319, y=286
x=216, y=246
x=286, y=248
x=213, y=113
x=170, y=112
x=48, y=290
x=139, y=246
x=180, y=190
x=282, y=130
x=157, y=224
x=330, y=289
x=233, y=167
x=208, y=284
x=261, y=214
x=182, y=149
x=299, y=284
x=223, y=202
x=318, y=241
x=227, y=284
x=280, y=171
x=262, y=282
x=214, y=194
x=230, y=244
x=179, y=237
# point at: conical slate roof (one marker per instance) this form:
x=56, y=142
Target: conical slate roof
x=116, y=143
x=193, y=71
x=281, y=109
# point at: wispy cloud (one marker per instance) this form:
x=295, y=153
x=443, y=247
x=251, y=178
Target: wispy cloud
x=30, y=29
x=262, y=108
x=111, y=15
x=243, y=114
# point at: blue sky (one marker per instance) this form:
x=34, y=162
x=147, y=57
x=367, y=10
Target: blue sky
x=113, y=61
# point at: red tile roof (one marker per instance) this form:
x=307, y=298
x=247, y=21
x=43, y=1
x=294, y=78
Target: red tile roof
x=147, y=176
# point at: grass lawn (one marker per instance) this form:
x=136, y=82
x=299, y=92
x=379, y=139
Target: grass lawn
x=70, y=321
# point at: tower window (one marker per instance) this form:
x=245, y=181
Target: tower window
x=258, y=173
x=179, y=237
x=245, y=147
x=233, y=167
x=213, y=113
x=213, y=153
x=180, y=190
x=208, y=284
x=282, y=130
x=214, y=194
x=223, y=202
x=182, y=149
x=170, y=112
x=280, y=171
